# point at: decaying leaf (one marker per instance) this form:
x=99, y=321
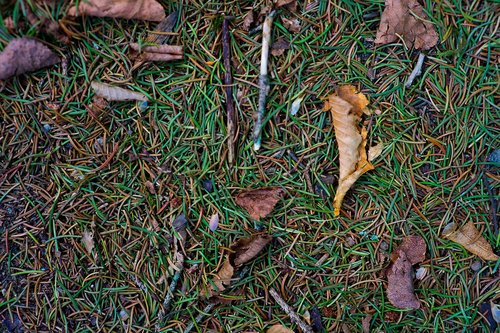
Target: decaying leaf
x=279, y=329
x=470, y=238
x=151, y=187
x=259, y=203
x=279, y=47
x=400, y=290
x=365, y=323
x=292, y=25
x=291, y=5
x=112, y=93
x=242, y=251
x=347, y=107
x=149, y=10
x=23, y=55
x=163, y=48
x=406, y=18
x=249, y=20
x=88, y=241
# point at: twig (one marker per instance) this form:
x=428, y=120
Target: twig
x=289, y=311
x=263, y=79
x=199, y=317
x=417, y=70
x=228, y=82
x=170, y=296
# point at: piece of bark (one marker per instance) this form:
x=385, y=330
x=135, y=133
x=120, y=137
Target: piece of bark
x=400, y=290
x=406, y=18
x=149, y=10
x=23, y=55
x=260, y=202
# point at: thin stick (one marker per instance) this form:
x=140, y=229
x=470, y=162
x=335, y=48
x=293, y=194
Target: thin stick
x=417, y=70
x=289, y=311
x=228, y=82
x=263, y=79
x=199, y=317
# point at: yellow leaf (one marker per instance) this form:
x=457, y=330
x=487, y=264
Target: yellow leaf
x=347, y=107
x=470, y=238
x=279, y=329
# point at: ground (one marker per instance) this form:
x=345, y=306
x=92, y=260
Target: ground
x=438, y=134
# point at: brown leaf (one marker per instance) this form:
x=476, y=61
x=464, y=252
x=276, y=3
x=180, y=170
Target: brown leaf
x=291, y=5
x=259, y=203
x=23, y=55
x=279, y=329
x=292, y=25
x=249, y=20
x=112, y=93
x=279, y=47
x=150, y=186
x=400, y=291
x=88, y=241
x=164, y=48
x=406, y=18
x=149, y=10
x=365, y=323
x=469, y=237
x=245, y=249
x=347, y=107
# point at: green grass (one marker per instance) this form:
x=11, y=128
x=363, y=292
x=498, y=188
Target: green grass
x=438, y=134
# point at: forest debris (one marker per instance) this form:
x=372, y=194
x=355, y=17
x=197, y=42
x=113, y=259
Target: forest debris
x=260, y=202
x=406, y=19
x=420, y=273
x=158, y=35
x=296, y=105
x=470, y=238
x=46, y=25
x=228, y=82
x=263, y=79
x=416, y=71
x=292, y=25
x=214, y=222
x=279, y=329
x=149, y=10
x=23, y=55
x=347, y=107
x=279, y=47
x=113, y=93
x=290, y=5
x=242, y=251
x=400, y=291
x=88, y=241
x=365, y=323
x=317, y=321
x=249, y=20
x=151, y=187
x=289, y=311
x=158, y=52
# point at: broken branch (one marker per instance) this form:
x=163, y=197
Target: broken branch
x=289, y=311
x=228, y=82
x=416, y=71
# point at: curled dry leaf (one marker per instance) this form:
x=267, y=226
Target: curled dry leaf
x=88, y=241
x=470, y=238
x=112, y=93
x=347, y=107
x=242, y=251
x=400, y=291
x=259, y=203
x=292, y=25
x=406, y=18
x=23, y=55
x=279, y=329
x=149, y=10
x=159, y=52
x=291, y=5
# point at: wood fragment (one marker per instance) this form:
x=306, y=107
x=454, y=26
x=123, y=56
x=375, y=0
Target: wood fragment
x=199, y=317
x=263, y=79
x=416, y=71
x=228, y=83
x=289, y=311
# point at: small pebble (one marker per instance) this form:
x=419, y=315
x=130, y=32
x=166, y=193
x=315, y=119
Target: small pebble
x=208, y=185
x=476, y=266
x=421, y=273
x=384, y=246
x=47, y=128
x=143, y=106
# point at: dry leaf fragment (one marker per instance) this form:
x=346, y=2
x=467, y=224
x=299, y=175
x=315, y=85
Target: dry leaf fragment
x=291, y=5
x=23, y=55
x=242, y=251
x=470, y=238
x=400, y=291
x=214, y=222
x=279, y=47
x=249, y=20
x=151, y=187
x=259, y=203
x=279, y=329
x=365, y=323
x=292, y=25
x=88, y=241
x=406, y=18
x=149, y=10
x=163, y=48
x=347, y=107
x=112, y=93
